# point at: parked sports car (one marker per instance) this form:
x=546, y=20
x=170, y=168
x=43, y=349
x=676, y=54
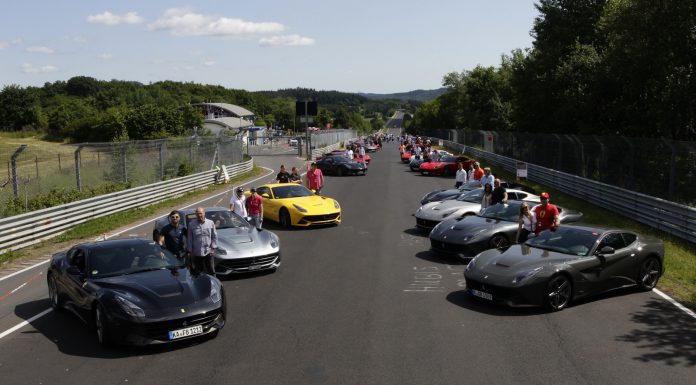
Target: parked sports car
x=415, y=162
x=406, y=157
x=557, y=267
x=495, y=227
x=447, y=166
x=467, y=203
x=296, y=205
x=339, y=166
x=135, y=292
x=371, y=147
x=241, y=247
x=365, y=159
x=444, y=195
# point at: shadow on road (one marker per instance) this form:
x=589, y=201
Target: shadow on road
x=431, y=256
x=462, y=299
x=72, y=336
x=417, y=232
x=664, y=334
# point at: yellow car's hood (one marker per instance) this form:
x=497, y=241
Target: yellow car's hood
x=313, y=204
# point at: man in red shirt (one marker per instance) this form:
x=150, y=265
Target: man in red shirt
x=254, y=206
x=546, y=215
x=315, y=178
x=478, y=172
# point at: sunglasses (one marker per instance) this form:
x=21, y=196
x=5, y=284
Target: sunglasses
x=174, y=217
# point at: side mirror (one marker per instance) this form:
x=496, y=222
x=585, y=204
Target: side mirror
x=606, y=250
x=266, y=196
x=73, y=270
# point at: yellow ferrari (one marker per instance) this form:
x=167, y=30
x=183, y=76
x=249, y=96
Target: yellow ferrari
x=292, y=204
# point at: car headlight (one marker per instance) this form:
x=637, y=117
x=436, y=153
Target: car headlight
x=274, y=242
x=220, y=251
x=471, y=236
x=472, y=264
x=336, y=205
x=527, y=274
x=129, y=307
x=214, y=293
x=300, y=208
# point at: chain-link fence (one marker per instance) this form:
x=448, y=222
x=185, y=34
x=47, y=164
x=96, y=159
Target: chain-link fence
x=40, y=170
x=658, y=167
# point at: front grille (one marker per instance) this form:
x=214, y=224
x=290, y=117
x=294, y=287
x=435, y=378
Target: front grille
x=321, y=218
x=245, y=263
x=426, y=223
x=159, y=330
x=497, y=291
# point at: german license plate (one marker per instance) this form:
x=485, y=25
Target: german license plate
x=254, y=267
x=482, y=294
x=192, y=331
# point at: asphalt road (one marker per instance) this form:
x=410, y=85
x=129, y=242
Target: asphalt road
x=363, y=303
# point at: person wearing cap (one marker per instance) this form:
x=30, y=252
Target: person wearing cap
x=238, y=203
x=173, y=235
x=315, y=178
x=254, y=206
x=546, y=214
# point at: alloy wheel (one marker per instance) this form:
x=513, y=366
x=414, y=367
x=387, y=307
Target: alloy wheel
x=649, y=274
x=558, y=292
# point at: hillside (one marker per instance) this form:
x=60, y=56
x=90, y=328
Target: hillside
x=418, y=95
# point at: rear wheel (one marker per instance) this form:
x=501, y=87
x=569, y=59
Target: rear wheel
x=101, y=326
x=499, y=241
x=649, y=273
x=284, y=218
x=558, y=292
x=53, y=294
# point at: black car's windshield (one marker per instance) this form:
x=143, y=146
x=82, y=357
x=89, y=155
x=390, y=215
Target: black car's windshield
x=291, y=191
x=505, y=212
x=566, y=240
x=113, y=260
x=471, y=196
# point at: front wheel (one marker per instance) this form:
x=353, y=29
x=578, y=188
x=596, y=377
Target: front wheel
x=339, y=171
x=649, y=274
x=558, y=293
x=53, y=294
x=499, y=241
x=284, y=218
x=446, y=172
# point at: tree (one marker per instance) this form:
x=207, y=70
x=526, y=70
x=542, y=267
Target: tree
x=18, y=109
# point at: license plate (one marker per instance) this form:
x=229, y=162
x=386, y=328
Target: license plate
x=192, y=331
x=425, y=173
x=254, y=267
x=482, y=294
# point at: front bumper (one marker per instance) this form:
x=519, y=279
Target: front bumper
x=319, y=220
x=228, y=266
x=520, y=296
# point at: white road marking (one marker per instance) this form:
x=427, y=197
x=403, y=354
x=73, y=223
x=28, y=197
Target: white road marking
x=675, y=303
x=43, y=313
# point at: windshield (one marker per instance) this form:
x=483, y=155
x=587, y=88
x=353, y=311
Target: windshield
x=566, y=240
x=448, y=159
x=223, y=219
x=471, y=196
x=291, y=191
x=501, y=211
x=130, y=259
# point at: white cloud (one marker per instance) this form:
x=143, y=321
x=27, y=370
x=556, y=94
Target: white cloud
x=40, y=49
x=76, y=39
x=209, y=63
x=31, y=69
x=4, y=44
x=184, y=22
x=105, y=56
x=16, y=41
x=289, y=40
x=110, y=19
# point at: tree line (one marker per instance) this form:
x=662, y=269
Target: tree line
x=596, y=67
x=84, y=109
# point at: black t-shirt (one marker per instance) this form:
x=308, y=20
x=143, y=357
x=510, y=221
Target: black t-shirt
x=174, y=238
x=283, y=177
x=498, y=195
x=294, y=177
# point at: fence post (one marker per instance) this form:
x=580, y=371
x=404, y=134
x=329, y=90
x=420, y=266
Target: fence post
x=15, y=188
x=161, y=160
x=77, y=167
x=124, y=165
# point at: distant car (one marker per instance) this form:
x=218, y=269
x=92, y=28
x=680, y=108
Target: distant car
x=366, y=159
x=557, y=267
x=242, y=248
x=292, y=142
x=495, y=227
x=290, y=204
x=339, y=166
x=406, y=157
x=468, y=203
x=447, y=166
x=132, y=291
x=371, y=147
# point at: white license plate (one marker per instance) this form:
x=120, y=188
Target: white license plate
x=481, y=294
x=425, y=172
x=254, y=267
x=192, y=331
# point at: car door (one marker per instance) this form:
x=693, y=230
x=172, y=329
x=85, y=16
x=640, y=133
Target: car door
x=270, y=209
x=606, y=272
x=76, y=281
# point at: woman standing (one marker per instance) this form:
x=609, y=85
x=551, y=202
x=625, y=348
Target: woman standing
x=526, y=223
x=487, y=196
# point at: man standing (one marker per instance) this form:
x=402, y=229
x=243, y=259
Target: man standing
x=315, y=178
x=202, y=241
x=499, y=193
x=460, y=176
x=283, y=176
x=254, y=206
x=487, y=177
x=478, y=172
x=547, y=216
x=172, y=235
x=295, y=176
x=238, y=203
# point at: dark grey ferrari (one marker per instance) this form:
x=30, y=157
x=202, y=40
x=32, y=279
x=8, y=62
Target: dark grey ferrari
x=557, y=267
x=135, y=292
x=495, y=227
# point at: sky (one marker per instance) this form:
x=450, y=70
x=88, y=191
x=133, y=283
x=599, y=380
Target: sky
x=349, y=46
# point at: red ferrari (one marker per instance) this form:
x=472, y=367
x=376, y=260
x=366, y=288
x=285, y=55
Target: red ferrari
x=447, y=166
x=406, y=157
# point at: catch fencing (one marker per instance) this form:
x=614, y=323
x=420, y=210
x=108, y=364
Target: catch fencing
x=34, y=170
x=27, y=229
x=670, y=217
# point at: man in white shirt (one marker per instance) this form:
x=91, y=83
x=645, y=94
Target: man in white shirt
x=460, y=178
x=237, y=203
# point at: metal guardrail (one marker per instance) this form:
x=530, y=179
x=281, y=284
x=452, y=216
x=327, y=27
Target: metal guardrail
x=30, y=228
x=673, y=218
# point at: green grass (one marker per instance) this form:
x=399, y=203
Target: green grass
x=105, y=224
x=10, y=255
x=679, y=279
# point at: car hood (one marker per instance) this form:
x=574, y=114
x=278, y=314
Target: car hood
x=517, y=259
x=313, y=204
x=433, y=165
x=435, y=210
x=244, y=242
x=159, y=288
x=473, y=225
